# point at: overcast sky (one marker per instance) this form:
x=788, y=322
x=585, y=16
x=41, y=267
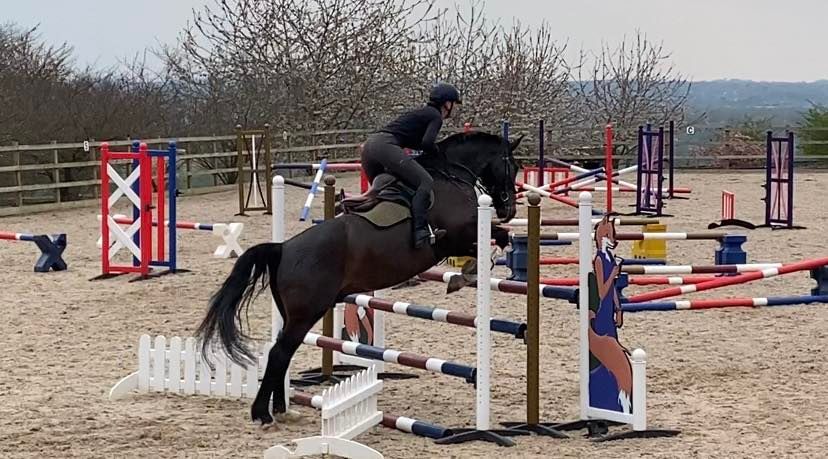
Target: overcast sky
x=774, y=40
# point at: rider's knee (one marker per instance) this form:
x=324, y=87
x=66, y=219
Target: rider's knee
x=427, y=182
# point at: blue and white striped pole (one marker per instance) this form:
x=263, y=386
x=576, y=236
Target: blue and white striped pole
x=314, y=186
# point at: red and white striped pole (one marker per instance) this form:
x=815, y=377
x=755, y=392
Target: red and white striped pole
x=733, y=280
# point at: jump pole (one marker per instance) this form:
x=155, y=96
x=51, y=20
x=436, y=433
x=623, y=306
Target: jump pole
x=312, y=192
x=699, y=269
x=400, y=423
x=549, y=187
x=51, y=249
x=228, y=232
x=581, y=170
x=724, y=303
x=623, y=221
x=505, y=285
x=408, y=359
x=654, y=280
x=515, y=329
x=589, y=182
x=708, y=236
x=732, y=280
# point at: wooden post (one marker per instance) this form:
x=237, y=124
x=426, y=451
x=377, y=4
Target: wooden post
x=268, y=170
x=56, y=172
x=328, y=320
x=96, y=189
x=533, y=312
x=240, y=167
x=18, y=175
x=255, y=176
x=532, y=423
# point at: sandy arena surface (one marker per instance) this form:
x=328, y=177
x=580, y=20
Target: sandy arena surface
x=737, y=382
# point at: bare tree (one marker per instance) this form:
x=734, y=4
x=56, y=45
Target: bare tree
x=457, y=47
x=32, y=74
x=532, y=80
x=323, y=64
x=305, y=65
x=633, y=84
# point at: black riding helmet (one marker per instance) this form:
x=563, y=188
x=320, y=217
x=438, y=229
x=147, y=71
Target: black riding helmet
x=442, y=93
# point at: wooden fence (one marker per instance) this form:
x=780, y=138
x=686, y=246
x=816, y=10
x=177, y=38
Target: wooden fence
x=59, y=175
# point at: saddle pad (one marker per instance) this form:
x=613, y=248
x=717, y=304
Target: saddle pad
x=385, y=214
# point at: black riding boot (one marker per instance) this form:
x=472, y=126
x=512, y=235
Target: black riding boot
x=419, y=213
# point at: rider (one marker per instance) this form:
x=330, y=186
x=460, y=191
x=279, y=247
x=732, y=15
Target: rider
x=416, y=129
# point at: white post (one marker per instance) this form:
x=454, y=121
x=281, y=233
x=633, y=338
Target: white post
x=278, y=235
x=584, y=268
x=639, y=390
x=484, y=238
x=379, y=327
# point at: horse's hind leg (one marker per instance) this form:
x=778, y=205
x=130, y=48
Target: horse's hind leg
x=301, y=317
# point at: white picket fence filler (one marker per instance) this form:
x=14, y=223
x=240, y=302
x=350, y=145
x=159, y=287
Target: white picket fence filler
x=348, y=409
x=177, y=366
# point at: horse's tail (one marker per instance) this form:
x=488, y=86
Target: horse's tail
x=230, y=303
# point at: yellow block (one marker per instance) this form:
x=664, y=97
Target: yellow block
x=652, y=248
x=458, y=262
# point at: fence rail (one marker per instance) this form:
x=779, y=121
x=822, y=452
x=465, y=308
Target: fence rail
x=56, y=175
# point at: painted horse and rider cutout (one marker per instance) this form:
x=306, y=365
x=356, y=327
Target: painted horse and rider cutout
x=610, y=369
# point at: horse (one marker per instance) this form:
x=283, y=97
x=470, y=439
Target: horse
x=311, y=272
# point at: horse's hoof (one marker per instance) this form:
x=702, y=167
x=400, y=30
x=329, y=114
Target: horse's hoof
x=413, y=282
x=264, y=417
x=455, y=283
x=290, y=416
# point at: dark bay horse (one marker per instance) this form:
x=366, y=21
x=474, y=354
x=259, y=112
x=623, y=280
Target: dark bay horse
x=311, y=272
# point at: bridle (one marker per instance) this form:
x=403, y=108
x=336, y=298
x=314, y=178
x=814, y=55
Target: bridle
x=474, y=182
x=507, y=172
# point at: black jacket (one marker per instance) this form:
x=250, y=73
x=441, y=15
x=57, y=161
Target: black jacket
x=417, y=129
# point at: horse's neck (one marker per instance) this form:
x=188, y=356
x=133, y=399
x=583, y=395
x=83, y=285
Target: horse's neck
x=461, y=162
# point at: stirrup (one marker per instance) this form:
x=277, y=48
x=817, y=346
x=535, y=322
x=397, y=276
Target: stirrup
x=435, y=235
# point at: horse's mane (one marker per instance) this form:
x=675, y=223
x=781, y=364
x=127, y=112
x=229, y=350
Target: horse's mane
x=463, y=137
x=452, y=144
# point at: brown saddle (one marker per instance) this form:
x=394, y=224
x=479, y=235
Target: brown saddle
x=385, y=188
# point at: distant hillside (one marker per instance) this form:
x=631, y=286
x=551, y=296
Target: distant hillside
x=729, y=101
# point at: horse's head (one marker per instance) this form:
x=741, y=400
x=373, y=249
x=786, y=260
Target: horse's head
x=489, y=158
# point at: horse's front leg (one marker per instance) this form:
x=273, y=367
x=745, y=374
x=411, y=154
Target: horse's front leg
x=500, y=236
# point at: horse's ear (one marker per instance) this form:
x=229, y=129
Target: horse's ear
x=514, y=144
